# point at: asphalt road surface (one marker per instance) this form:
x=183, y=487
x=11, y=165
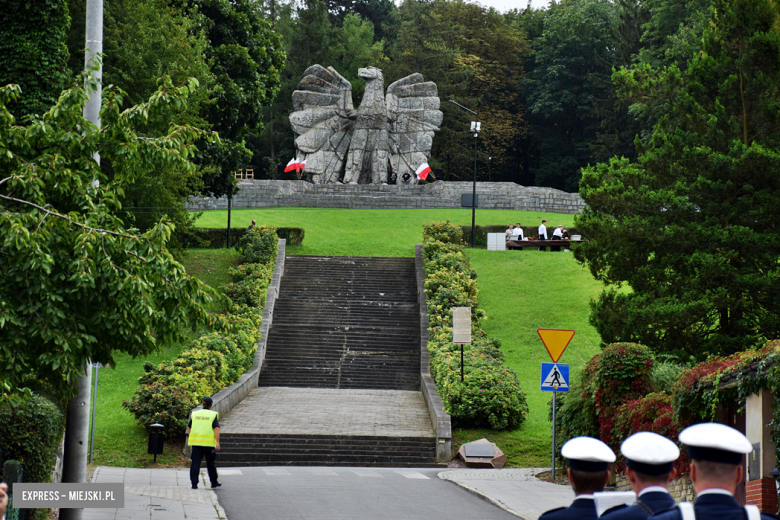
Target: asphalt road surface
x=338, y=493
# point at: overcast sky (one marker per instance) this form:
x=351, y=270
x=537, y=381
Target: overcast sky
x=506, y=5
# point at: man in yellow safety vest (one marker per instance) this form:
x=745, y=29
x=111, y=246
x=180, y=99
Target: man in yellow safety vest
x=203, y=429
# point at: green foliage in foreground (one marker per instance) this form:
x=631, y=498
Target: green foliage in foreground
x=77, y=283
x=692, y=226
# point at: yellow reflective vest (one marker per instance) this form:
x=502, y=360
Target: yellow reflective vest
x=201, y=432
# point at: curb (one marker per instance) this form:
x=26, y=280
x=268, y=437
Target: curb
x=481, y=495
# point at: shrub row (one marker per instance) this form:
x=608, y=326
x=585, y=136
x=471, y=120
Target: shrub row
x=216, y=238
x=31, y=434
x=480, y=232
x=490, y=394
x=624, y=390
x=215, y=360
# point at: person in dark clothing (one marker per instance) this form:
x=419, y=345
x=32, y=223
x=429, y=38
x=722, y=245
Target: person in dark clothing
x=717, y=455
x=393, y=178
x=252, y=226
x=589, y=461
x=649, y=468
x=406, y=177
x=203, y=431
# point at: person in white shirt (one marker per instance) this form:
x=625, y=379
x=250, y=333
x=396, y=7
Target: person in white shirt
x=543, y=234
x=518, y=231
x=510, y=230
x=557, y=235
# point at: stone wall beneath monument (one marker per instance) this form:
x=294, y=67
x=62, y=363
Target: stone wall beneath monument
x=681, y=488
x=302, y=194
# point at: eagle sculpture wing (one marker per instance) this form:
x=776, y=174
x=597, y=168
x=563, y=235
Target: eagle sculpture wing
x=322, y=121
x=413, y=117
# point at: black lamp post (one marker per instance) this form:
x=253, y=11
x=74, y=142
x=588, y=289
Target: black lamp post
x=475, y=127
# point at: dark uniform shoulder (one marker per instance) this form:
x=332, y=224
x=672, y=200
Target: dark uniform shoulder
x=552, y=514
x=613, y=510
x=673, y=513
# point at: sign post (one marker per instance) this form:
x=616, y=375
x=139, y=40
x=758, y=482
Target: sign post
x=461, y=331
x=555, y=377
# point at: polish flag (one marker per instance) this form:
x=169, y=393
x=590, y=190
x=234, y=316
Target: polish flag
x=422, y=171
x=294, y=164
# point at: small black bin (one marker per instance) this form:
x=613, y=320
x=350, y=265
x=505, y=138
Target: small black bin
x=156, y=440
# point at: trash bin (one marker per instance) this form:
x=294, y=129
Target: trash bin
x=156, y=440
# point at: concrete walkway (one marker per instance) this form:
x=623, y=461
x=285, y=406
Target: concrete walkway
x=323, y=411
x=515, y=490
x=165, y=494
x=158, y=494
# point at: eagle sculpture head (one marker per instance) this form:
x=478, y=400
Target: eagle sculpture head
x=370, y=73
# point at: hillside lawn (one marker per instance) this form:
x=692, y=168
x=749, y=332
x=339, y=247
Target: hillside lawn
x=519, y=290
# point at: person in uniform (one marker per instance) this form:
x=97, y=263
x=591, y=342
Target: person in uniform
x=203, y=429
x=717, y=452
x=542, y=233
x=589, y=461
x=649, y=468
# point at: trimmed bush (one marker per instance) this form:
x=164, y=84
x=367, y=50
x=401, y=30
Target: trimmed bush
x=249, y=284
x=490, y=395
x=31, y=434
x=216, y=238
x=259, y=246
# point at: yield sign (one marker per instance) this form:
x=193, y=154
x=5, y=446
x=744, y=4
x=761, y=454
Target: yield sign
x=555, y=341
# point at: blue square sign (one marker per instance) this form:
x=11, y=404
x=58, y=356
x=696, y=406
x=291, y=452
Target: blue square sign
x=555, y=377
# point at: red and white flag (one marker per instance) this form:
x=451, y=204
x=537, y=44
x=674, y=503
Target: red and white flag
x=291, y=165
x=422, y=171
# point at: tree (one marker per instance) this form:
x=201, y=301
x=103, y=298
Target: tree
x=693, y=227
x=33, y=51
x=246, y=59
x=78, y=284
x=561, y=89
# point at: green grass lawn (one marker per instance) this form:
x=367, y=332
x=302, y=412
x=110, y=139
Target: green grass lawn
x=522, y=291
x=365, y=232
x=119, y=441
x=519, y=290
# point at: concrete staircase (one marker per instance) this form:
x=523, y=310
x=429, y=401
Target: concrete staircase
x=349, y=324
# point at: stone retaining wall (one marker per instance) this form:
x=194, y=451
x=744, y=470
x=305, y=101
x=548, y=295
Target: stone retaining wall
x=227, y=398
x=681, y=489
x=439, y=418
x=492, y=195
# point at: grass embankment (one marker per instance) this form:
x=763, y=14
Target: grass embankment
x=367, y=232
x=519, y=290
x=119, y=441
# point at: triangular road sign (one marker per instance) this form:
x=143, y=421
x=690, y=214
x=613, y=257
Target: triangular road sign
x=555, y=341
x=555, y=378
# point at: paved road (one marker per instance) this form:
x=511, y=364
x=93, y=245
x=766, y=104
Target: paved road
x=302, y=493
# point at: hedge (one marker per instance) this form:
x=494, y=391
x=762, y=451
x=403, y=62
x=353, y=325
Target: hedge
x=31, y=435
x=215, y=360
x=490, y=394
x=481, y=232
x=216, y=238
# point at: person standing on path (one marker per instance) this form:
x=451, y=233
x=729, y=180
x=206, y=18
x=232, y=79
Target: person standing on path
x=717, y=454
x=650, y=469
x=543, y=234
x=203, y=429
x=589, y=461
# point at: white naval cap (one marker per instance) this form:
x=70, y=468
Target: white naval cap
x=715, y=442
x=649, y=453
x=587, y=454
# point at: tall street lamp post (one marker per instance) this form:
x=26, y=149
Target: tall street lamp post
x=475, y=128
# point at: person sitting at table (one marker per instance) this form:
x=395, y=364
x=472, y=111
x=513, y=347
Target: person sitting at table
x=557, y=235
x=566, y=234
x=517, y=232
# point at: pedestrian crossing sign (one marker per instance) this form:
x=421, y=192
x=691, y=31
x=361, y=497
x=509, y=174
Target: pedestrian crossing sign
x=555, y=377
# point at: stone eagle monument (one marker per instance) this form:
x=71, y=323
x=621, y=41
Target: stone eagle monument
x=386, y=131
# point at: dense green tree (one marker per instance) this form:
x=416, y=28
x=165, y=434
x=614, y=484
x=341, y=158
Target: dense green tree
x=34, y=52
x=77, y=283
x=561, y=88
x=693, y=227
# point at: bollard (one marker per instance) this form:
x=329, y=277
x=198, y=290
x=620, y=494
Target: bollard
x=156, y=440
